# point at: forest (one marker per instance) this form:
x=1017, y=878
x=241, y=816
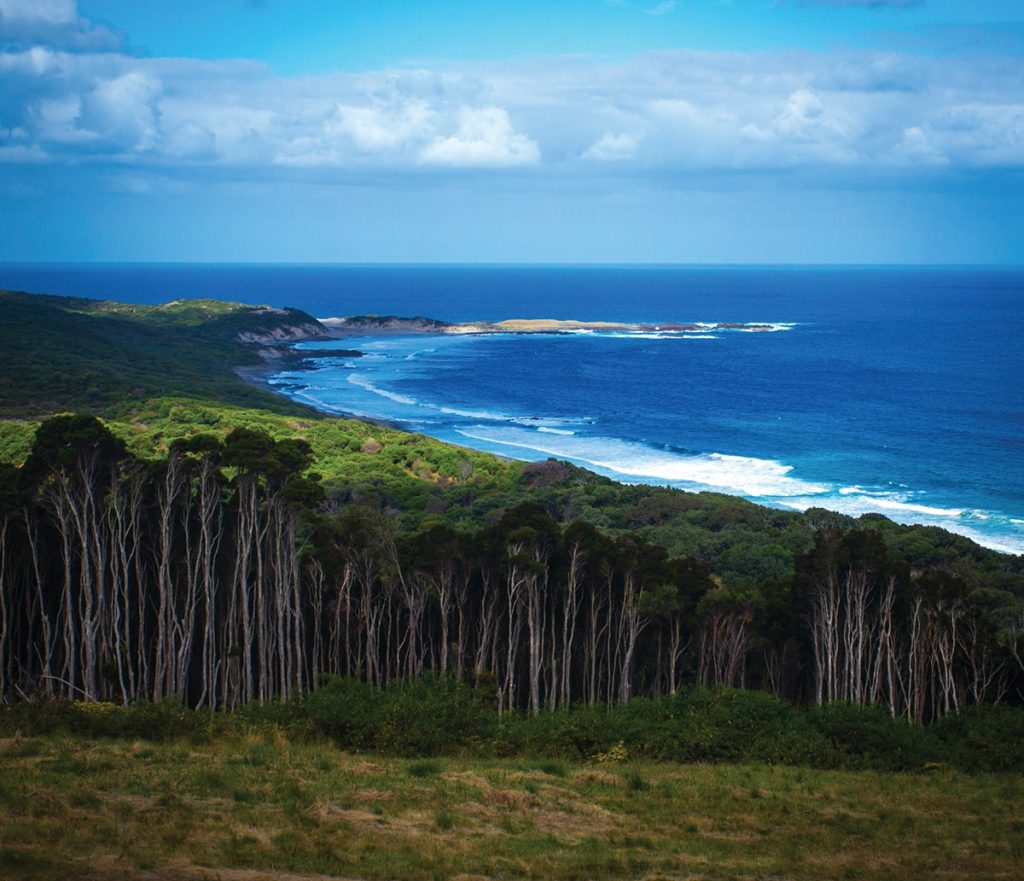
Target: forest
x=222, y=573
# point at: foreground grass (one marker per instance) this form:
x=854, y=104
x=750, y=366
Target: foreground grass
x=259, y=807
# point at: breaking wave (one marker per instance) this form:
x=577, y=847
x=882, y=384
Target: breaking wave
x=619, y=458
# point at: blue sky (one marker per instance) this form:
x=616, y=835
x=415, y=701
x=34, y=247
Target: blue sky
x=574, y=131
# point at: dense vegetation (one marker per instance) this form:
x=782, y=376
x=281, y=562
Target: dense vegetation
x=189, y=547
x=62, y=353
x=221, y=573
x=440, y=716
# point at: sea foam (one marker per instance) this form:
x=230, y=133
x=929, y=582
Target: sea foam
x=363, y=383
x=712, y=471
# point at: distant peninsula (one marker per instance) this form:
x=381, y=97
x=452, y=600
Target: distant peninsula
x=390, y=324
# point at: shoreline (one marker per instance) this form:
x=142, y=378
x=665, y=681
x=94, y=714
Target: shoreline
x=260, y=375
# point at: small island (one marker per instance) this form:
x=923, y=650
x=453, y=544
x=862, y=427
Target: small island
x=366, y=325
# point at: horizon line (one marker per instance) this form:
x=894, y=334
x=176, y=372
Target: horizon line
x=381, y=264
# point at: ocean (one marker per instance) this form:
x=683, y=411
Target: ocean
x=890, y=390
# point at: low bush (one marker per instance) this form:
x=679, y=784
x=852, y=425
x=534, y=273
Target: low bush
x=983, y=738
x=156, y=720
x=439, y=716
x=869, y=737
x=430, y=716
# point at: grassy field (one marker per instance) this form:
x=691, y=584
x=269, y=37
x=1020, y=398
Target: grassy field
x=260, y=807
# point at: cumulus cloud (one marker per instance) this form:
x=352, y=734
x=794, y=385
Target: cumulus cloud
x=52, y=23
x=676, y=111
x=485, y=137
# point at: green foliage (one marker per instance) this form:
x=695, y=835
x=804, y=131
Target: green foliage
x=732, y=725
x=157, y=721
x=869, y=737
x=983, y=738
x=435, y=717
x=62, y=353
x=16, y=440
x=431, y=716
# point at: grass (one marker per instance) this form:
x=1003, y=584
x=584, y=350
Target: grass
x=259, y=806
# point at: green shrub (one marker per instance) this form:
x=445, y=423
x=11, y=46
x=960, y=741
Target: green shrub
x=147, y=720
x=430, y=716
x=290, y=717
x=983, y=738
x=733, y=725
x=437, y=716
x=869, y=737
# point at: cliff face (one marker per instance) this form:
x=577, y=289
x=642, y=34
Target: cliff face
x=369, y=324
x=283, y=333
x=266, y=326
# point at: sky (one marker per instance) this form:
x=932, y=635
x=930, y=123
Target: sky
x=577, y=131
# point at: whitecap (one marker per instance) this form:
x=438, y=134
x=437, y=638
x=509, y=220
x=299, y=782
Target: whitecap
x=532, y=421
x=412, y=356
x=957, y=520
x=878, y=503
x=861, y=491
x=659, y=335
x=363, y=383
x=712, y=471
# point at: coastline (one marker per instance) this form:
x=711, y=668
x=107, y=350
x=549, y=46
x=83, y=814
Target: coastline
x=905, y=509
x=259, y=376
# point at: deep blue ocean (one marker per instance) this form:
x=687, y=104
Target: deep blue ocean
x=896, y=390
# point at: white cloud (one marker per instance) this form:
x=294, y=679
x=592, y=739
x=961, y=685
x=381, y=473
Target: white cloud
x=349, y=132
x=613, y=148
x=54, y=23
x=689, y=111
x=485, y=137
x=917, y=146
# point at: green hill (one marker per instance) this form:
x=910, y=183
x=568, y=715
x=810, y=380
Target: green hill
x=63, y=353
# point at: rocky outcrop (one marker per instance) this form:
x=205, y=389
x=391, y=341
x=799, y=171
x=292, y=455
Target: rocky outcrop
x=283, y=333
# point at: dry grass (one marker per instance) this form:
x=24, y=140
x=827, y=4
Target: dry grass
x=257, y=809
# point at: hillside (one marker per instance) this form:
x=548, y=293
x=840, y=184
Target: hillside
x=64, y=353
